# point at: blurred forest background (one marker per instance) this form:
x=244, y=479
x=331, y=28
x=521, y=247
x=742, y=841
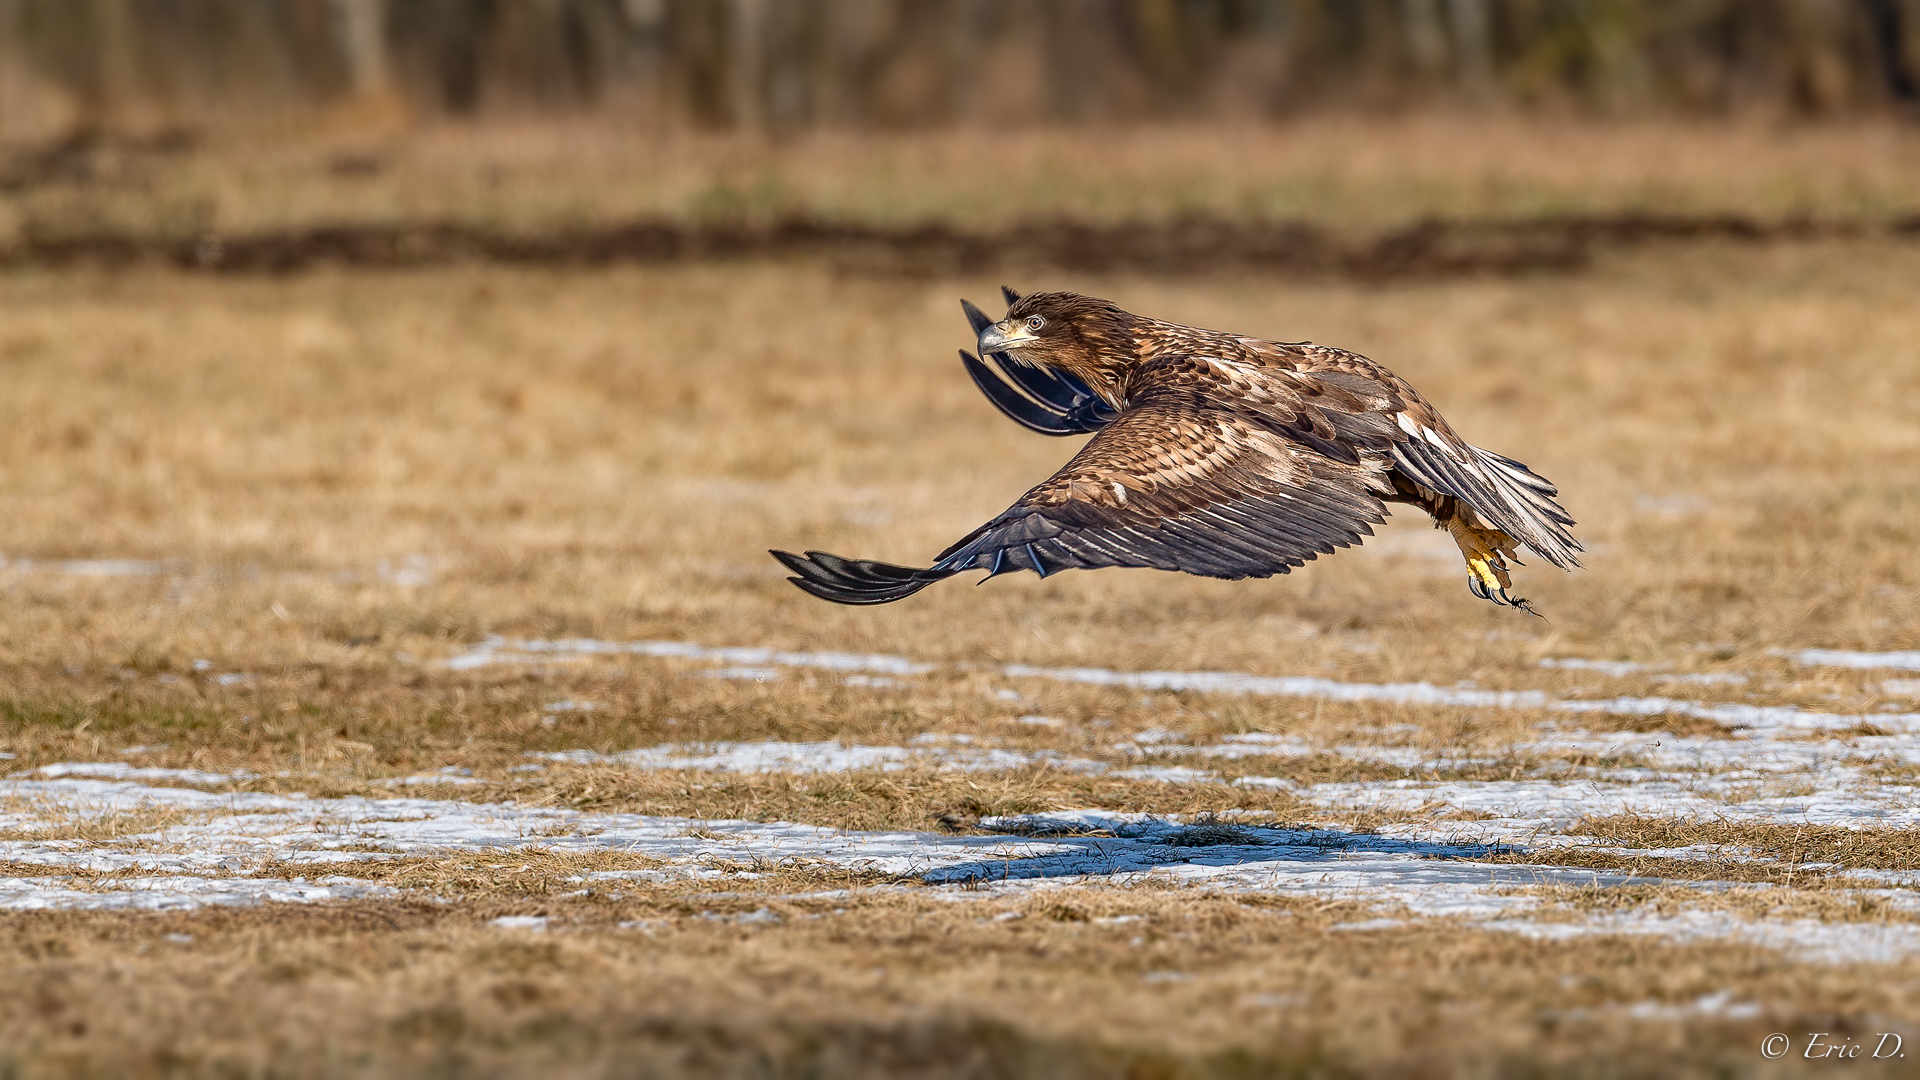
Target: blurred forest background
x=164, y=68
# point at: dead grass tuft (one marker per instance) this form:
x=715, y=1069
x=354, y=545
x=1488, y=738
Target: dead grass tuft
x=1814, y=848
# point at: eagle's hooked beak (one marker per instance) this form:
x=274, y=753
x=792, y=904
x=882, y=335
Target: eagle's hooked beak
x=1003, y=335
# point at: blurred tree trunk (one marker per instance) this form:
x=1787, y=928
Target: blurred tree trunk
x=362, y=29
x=1426, y=41
x=746, y=25
x=1472, y=45
x=105, y=87
x=1893, y=47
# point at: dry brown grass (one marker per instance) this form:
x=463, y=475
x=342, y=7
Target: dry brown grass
x=609, y=454
x=1341, y=172
x=1077, y=983
x=1822, y=846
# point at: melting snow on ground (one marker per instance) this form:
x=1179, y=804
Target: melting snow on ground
x=172, y=892
x=210, y=844
x=252, y=847
x=1900, y=661
x=761, y=665
x=821, y=757
x=499, y=650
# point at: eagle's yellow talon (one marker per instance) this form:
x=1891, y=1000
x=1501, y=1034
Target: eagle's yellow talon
x=1486, y=553
x=1491, y=576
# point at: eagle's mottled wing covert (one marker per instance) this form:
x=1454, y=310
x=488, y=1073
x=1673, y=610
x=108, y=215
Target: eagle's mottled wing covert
x=1165, y=486
x=1425, y=449
x=1049, y=402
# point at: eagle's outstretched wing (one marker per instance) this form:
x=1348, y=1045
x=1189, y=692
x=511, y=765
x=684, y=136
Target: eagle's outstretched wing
x=1168, y=485
x=1039, y=399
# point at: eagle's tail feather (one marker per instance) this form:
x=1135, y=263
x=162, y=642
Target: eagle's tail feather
x=855, y=581
x=1530, y=497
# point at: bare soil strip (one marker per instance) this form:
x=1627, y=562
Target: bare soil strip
x=1432, y=248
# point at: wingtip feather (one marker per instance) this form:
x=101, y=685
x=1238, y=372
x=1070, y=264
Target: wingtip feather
x=853, y=581
x=975, y=317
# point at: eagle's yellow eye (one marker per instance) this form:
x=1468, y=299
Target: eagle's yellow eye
x=1035, y=322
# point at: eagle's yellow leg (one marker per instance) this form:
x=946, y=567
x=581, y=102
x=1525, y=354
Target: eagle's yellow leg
x=1486, y=552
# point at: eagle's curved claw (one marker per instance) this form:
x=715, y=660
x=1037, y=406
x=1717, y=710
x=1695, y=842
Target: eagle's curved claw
x=1520, y=602
x=1500, y=595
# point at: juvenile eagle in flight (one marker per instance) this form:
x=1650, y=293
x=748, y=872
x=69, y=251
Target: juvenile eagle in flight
x=1214, y=454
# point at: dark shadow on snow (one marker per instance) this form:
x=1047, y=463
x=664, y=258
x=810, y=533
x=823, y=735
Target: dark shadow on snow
x=1043, y=847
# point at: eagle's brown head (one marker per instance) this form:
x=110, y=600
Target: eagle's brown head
x=1083, y=335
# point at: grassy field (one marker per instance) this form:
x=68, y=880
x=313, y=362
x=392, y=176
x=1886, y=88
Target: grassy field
x=1346, y=174
x=342, y=559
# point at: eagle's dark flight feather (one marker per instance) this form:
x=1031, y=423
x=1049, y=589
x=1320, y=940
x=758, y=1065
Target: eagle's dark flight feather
x=1066, y=405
